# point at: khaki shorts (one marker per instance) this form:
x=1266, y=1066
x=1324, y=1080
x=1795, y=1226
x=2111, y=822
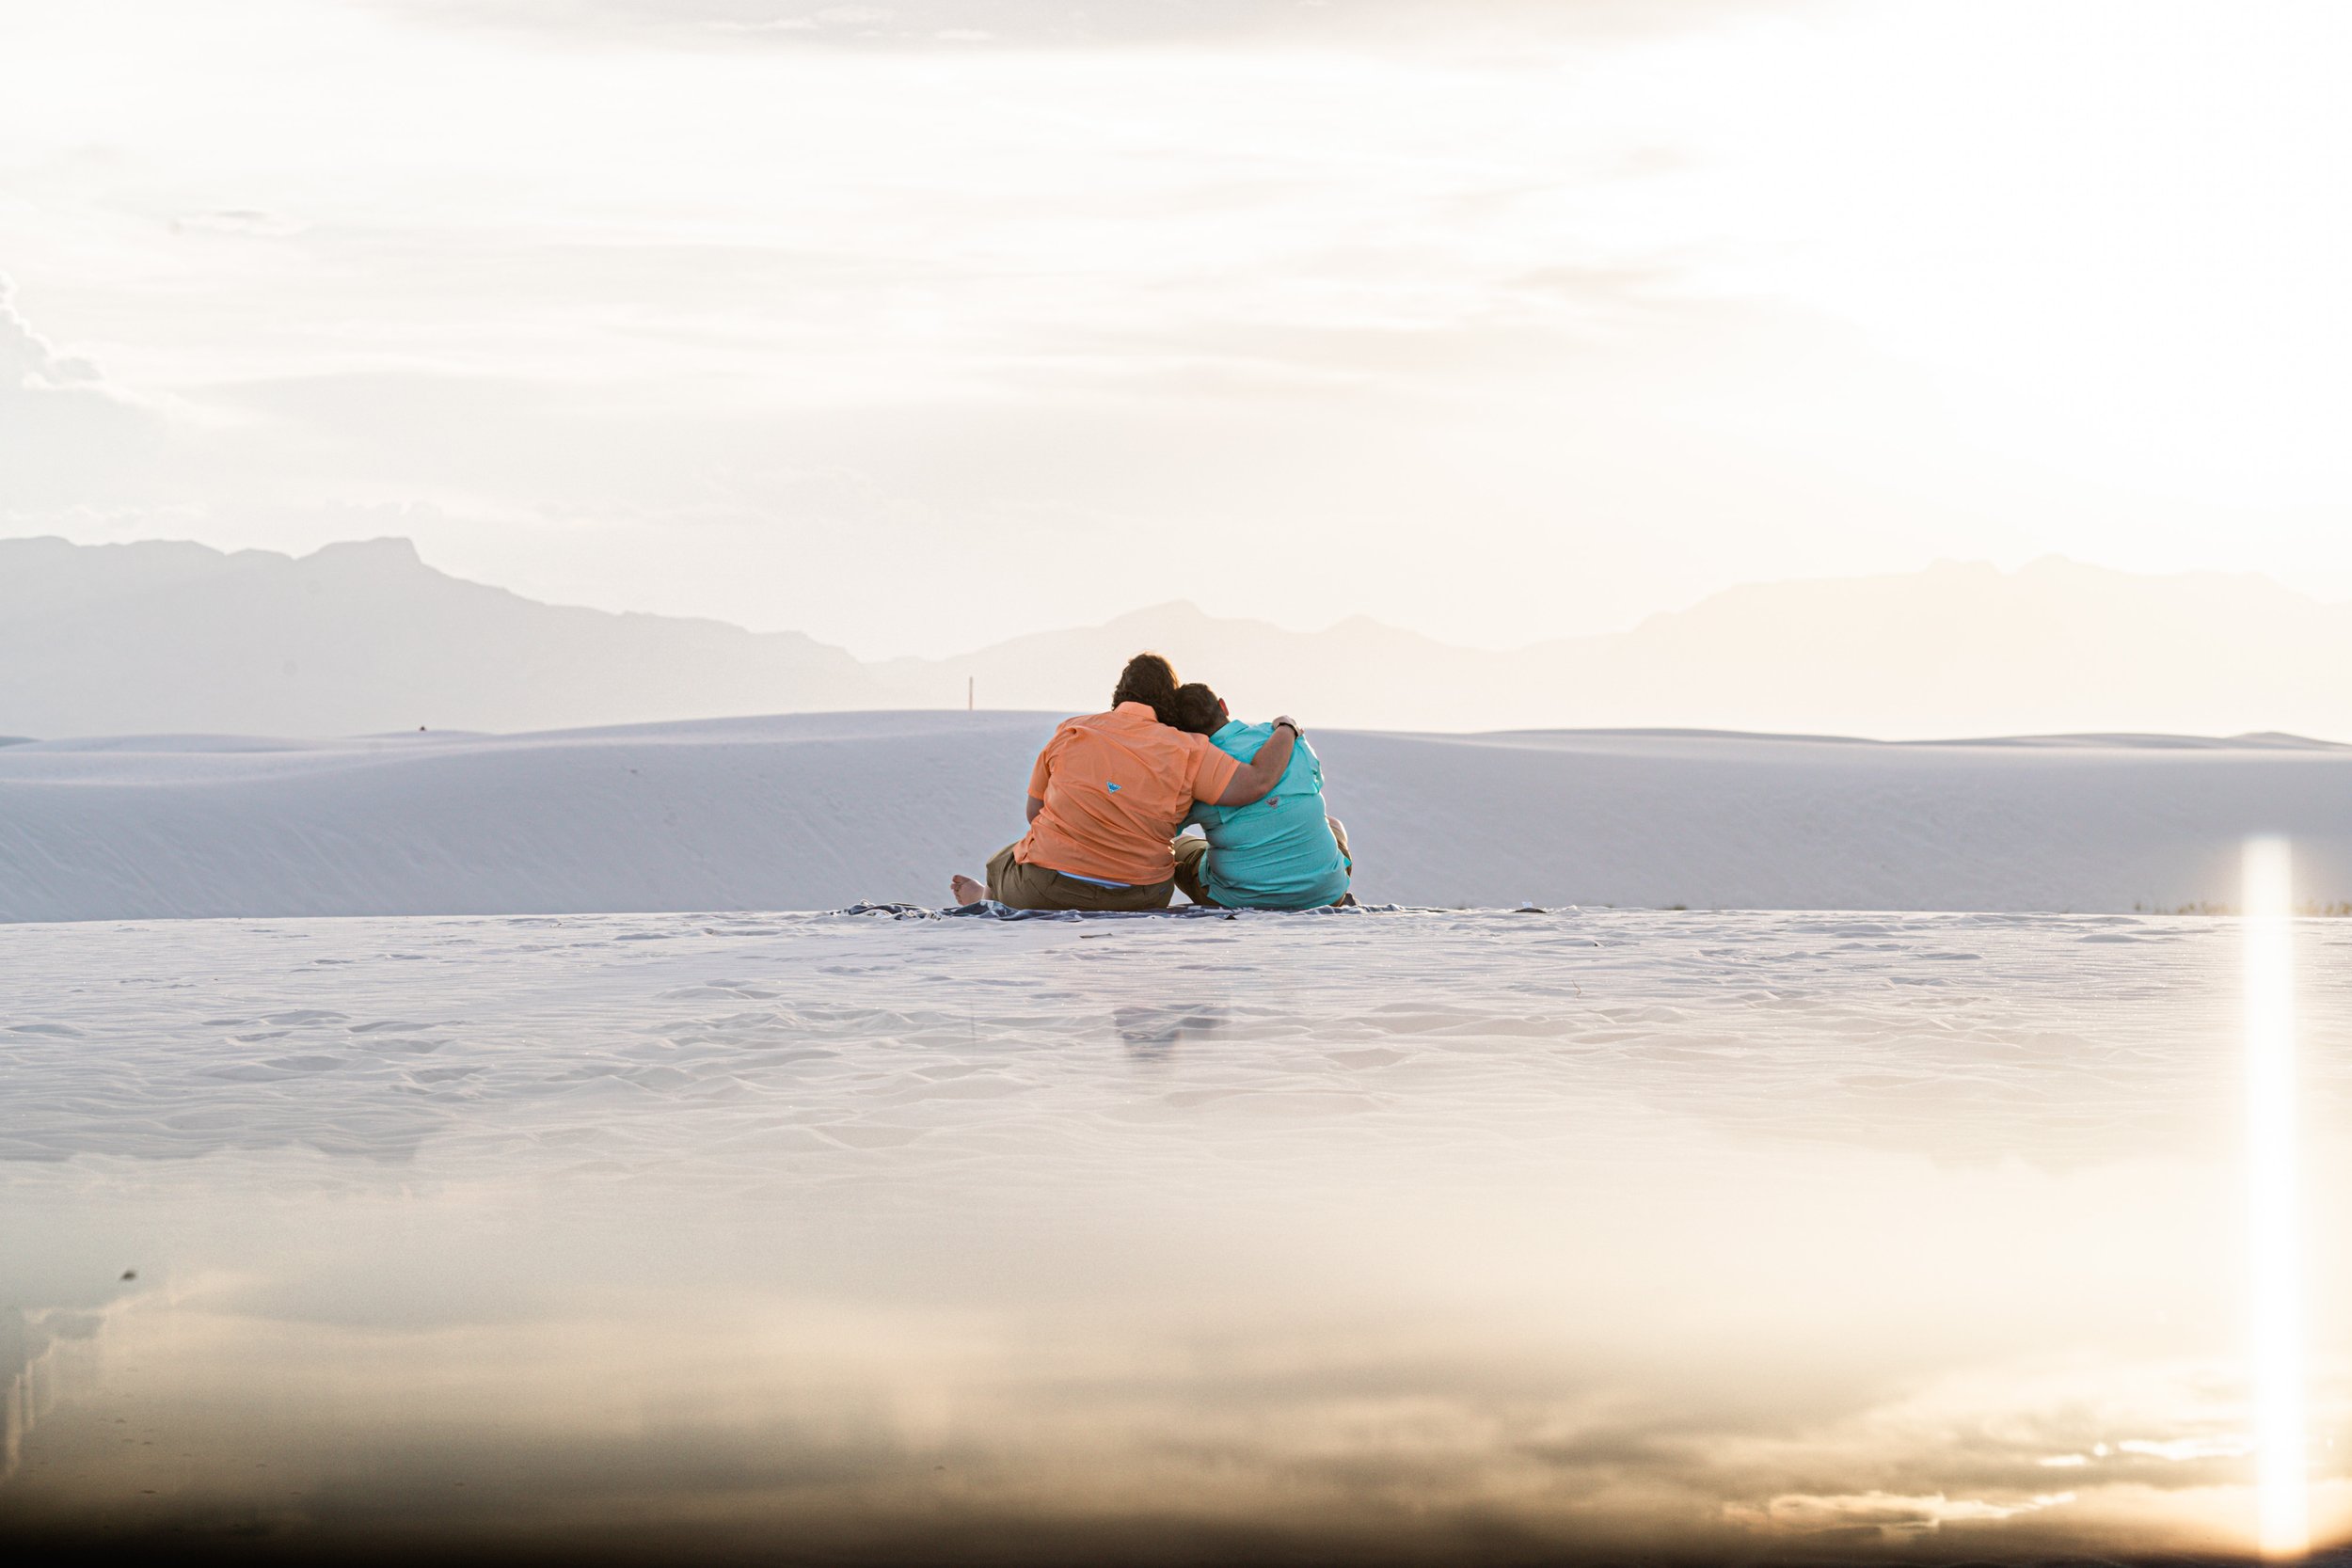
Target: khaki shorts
x=1192, y=861
x=1039, y=887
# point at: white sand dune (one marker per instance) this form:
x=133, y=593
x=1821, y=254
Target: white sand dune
x=822, y=811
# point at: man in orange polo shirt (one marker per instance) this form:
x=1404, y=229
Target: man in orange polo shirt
x=1107, y=795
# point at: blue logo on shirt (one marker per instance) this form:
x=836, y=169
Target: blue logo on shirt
x=1112, y=788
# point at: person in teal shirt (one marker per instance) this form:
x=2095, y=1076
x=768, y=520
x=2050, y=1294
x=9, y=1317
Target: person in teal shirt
x=1280, y=852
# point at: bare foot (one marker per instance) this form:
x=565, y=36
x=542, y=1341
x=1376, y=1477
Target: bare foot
x=966, y=891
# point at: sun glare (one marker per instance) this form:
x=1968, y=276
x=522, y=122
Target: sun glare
x=2275, y=1266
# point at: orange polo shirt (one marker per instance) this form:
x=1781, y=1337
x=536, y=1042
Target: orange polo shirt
x=1116, y=786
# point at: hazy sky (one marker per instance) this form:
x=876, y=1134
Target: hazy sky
x=913, y=324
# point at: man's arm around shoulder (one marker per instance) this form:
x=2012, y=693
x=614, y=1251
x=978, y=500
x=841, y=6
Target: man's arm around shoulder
x=1255, y=779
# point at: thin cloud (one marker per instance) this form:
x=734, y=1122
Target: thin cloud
x=242, y=221
x=1056, y=23
x=29, y=363
x=65, y=435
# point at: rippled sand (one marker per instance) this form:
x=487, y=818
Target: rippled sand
x=1358, y=1235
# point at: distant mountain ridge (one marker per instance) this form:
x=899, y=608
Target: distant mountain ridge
x=355, y=639
x=364, y=637
x=1954, y=651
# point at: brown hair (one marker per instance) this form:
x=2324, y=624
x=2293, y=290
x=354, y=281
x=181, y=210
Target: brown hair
x=1150, y=680
x=1198, y=709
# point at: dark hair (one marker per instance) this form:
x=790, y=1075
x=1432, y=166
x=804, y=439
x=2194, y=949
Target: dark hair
x=1150, y=680
x=1198, y=709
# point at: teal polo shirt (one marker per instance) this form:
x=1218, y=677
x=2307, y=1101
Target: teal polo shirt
x=1277, y=853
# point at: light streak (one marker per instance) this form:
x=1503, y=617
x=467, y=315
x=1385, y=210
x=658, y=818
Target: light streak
x=2274, y=1213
